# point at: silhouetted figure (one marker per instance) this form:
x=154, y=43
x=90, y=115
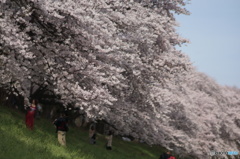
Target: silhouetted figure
x=92, y=134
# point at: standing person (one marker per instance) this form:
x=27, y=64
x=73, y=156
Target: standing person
x=39, y=109
x=109, y=140
x=61, y=127
x=92, y=134
x=31, y=110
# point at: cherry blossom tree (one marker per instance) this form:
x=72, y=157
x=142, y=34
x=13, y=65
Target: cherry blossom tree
x=116, y=60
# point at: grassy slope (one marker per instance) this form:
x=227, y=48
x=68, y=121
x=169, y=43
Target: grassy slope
x=18, y=142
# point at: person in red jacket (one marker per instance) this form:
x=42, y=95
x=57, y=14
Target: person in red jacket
x=31, y=110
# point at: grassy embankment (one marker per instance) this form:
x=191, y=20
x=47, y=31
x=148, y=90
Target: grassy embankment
x=17, y=142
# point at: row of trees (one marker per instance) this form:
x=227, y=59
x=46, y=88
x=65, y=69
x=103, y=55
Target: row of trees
x=116, y=60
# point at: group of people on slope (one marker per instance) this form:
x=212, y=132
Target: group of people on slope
x=93, y=136
x=61, y=125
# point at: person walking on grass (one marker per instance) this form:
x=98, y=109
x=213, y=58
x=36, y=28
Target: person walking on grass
x=61, y=127
x=109, y=140
x=31, y=111
x=92, y=134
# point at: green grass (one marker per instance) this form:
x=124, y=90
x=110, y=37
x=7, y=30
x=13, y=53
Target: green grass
x=17, y=142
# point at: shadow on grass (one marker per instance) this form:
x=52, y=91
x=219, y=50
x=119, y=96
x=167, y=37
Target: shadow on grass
x=14, y=146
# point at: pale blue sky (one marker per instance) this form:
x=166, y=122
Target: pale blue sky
x=214, y=31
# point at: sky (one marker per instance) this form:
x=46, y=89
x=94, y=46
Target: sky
x=213, y=29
